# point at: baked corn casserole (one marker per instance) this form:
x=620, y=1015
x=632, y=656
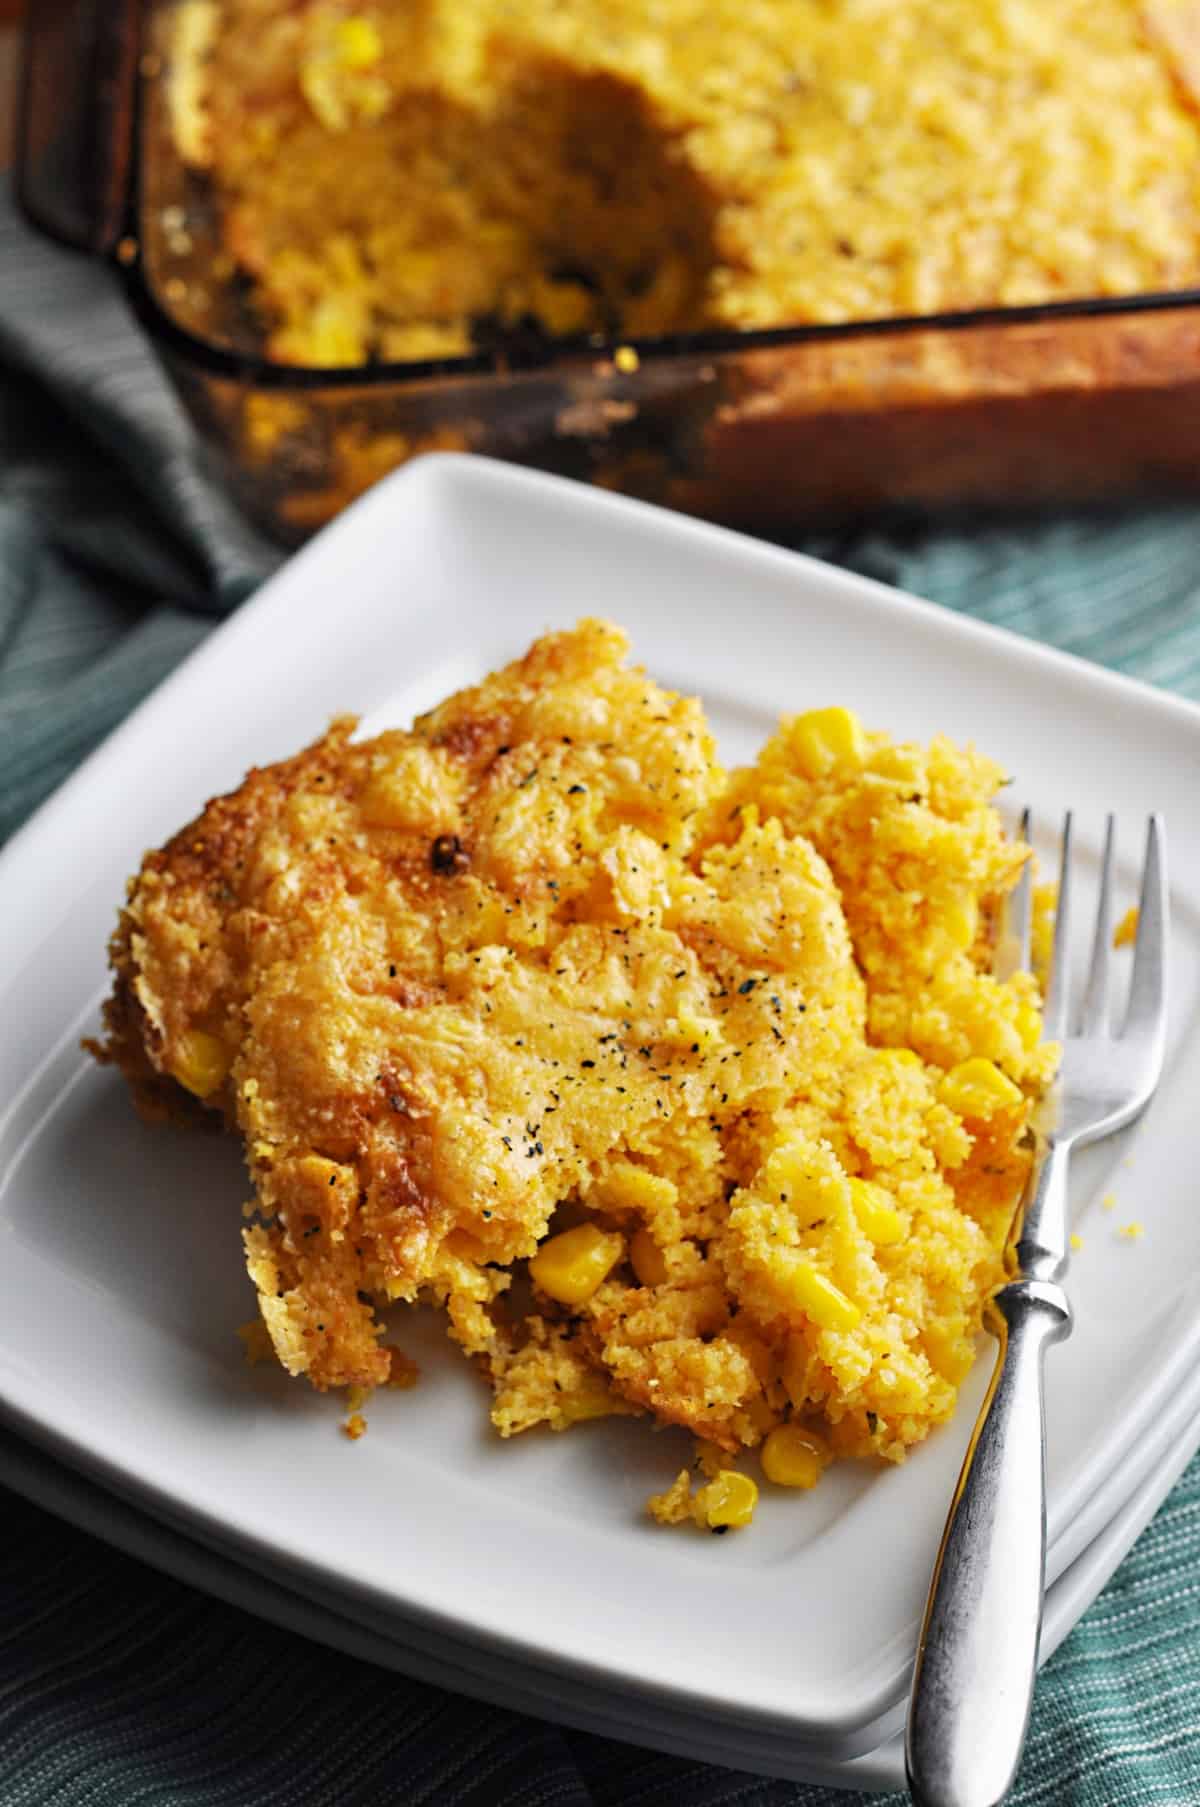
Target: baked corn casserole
x=399, y=180
x=686, y=1093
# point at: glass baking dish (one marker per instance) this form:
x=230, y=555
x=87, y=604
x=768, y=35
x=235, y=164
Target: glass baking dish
x=1069, y=402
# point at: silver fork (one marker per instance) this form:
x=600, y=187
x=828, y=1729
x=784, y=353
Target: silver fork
x=977, y=1656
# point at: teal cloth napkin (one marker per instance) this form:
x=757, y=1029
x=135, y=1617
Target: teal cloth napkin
x=120, y=1686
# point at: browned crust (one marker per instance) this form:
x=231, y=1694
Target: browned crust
x=201, y=858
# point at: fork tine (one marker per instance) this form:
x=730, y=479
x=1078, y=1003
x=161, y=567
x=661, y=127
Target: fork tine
x=1094, y=1015
x=1058, y=987
x=1147, y=985
x=1016, y=918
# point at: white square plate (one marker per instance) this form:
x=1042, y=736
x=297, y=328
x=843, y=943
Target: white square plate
x=273, y=1597
x=121, y=1282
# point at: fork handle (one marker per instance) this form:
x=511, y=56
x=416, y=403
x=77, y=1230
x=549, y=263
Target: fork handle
x=977, y=1656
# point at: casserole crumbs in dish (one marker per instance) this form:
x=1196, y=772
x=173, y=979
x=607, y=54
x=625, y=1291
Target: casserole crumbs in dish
x=712, y=1063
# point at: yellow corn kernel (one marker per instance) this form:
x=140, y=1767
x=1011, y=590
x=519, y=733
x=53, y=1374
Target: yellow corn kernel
x=335, y=334
x=877, y=1217
x=1132, y=1232
x=649, y=1262
x=357, y=44
x=1028, y=1022
x=826, y=740
x=948, y=1353
x=977, y=1089
x=1076, y=1241
x=201, y=1062
x=1045, y=907
x=570, y=1267
x=1109, y=1202
x=900, y=1057
x=1127, y=928
x=807, y=1289
x=729, y=1499
x=961, y=921
x=795, y=1457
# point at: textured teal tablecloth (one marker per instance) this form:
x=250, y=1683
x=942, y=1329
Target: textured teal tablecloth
x=118, y=1686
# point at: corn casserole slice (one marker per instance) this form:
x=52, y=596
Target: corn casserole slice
x=713, y=1061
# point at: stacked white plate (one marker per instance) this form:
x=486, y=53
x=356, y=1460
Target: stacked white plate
x=526, y=1572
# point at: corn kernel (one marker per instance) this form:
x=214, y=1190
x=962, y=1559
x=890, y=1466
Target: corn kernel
x=949, y=1355
x=1076, y=1241
x=357, y=43
x=1127, y=928
x=877, y=1217
x=649, y=1262
x=729, y=1499
x=961, y=921
x=825, y=740
x=808, y=1290
x=1045, y=907
x=1029, y=1024
x=1132, y=1232
x=570, y=1267
x=201, y=1062
x=794, y=1457
x=626, y=359
x=900, y=1057
x=977, y=1089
